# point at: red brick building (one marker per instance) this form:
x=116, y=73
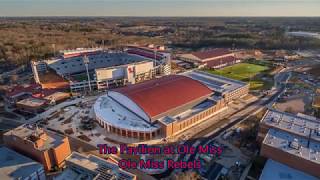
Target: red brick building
x=214, y=58
x=48, y=148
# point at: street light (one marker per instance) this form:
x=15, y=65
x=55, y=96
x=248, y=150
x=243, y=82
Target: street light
x=86, y=63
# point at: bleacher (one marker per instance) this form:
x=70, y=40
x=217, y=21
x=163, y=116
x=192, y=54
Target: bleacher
x=74, y=65
x=145, y=53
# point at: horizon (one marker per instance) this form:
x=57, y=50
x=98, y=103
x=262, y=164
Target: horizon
x=155, y=8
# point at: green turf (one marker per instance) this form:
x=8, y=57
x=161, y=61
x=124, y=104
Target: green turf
x=243, y=72
x=80, y=77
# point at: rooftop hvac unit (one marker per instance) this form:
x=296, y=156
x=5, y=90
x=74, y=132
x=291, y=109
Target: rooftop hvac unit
x=275, y=120
x=295, y=144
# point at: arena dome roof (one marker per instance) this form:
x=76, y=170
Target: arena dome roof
x=160, y=96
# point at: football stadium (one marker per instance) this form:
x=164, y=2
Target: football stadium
x=98, y=69
x=165, y=106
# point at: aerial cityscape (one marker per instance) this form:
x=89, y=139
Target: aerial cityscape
x=163, y=90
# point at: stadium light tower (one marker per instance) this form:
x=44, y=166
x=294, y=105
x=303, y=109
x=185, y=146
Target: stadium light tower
x=86, y=63
x=54, y=49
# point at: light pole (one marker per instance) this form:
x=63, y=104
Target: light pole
x=155, y=56
x=86, y=63
x=54, y=49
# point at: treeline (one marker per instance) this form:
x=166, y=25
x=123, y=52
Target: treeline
x=18, y=53
x=21, y=42
x=245, y=41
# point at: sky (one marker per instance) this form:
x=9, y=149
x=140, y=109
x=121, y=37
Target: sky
x=159, y=7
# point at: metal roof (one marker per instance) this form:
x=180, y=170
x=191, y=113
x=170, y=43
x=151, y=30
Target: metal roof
x=293, y=144
x=278, y=171
x=165, y=94
x=220, y=61
x=304, y=127
x=216, y=83
x=211, y=53
x=16, y=166
x=101, y=168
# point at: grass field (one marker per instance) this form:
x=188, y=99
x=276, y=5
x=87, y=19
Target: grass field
x=244, y=72
x=81, y=77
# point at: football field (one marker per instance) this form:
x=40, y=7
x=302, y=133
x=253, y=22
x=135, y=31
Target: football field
x=244, y=72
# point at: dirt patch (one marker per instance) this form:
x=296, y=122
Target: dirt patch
x=295, y=105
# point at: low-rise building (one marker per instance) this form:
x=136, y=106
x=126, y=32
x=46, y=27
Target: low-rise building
x=20, y=92
x=316, y=105
x=89, y=167
x=295, y=124
x=32, y=105
x=33, y=97
x=16, y=166
x=214, y=58
x=48, y=148
x=57, y=97
x=291, y=140
x=229, y=89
